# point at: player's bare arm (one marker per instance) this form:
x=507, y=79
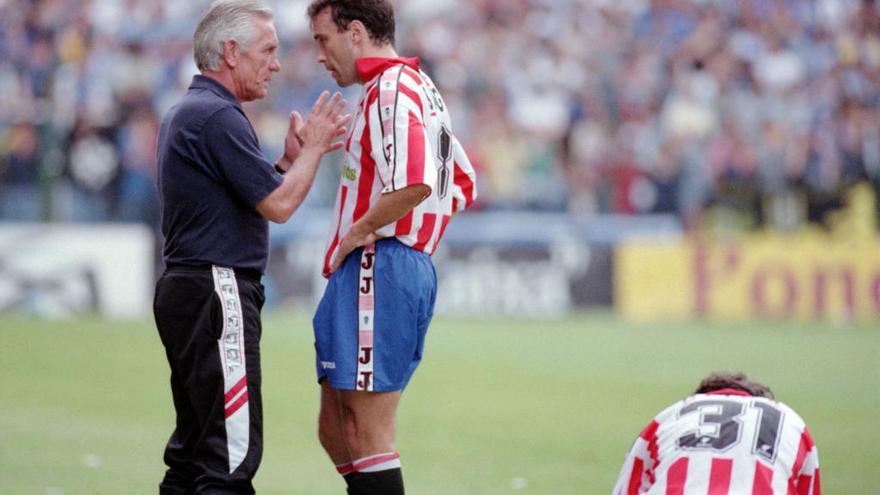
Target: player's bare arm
x=390, y=208
x=325, y=124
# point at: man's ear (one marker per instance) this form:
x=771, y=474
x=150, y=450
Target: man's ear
x=358, y=33
x=230, y=53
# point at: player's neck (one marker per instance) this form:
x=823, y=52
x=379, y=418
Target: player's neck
x=381, y=51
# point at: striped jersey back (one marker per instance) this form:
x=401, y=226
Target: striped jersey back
x=713, y=444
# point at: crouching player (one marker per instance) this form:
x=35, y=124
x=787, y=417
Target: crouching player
x=729, y=438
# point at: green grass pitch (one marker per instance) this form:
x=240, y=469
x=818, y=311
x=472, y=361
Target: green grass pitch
x=499, y=406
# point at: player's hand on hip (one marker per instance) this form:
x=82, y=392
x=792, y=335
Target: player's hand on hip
x=325, y=124
x=351, y=242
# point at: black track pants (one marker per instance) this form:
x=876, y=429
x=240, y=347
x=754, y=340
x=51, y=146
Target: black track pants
x=209, y=323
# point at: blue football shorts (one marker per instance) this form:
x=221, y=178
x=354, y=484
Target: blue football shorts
x=371, y=323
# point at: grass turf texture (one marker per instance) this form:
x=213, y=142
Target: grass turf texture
x=499, y=406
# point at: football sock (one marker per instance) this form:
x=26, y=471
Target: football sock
x=377, y=475
x=346, y=471
x=348, y=477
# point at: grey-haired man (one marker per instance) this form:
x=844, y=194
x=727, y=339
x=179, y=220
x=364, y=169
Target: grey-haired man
x=218, y=192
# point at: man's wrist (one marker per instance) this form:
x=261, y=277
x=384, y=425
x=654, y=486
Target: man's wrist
x=309, y=154
x=283, y=164
x=361, y=229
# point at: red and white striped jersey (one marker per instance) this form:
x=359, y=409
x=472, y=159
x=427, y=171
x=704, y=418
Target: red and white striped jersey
x=402, y=136
x=723, y=443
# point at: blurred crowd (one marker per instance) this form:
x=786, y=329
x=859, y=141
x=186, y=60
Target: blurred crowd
x=742, y=113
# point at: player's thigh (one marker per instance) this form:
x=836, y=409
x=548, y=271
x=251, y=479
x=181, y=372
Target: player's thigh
x=405, y=283
x=331, y=431
x=330, y=415
x=335, y=327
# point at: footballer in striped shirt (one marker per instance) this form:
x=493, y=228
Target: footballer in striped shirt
x=729, y=438
x=405, y=175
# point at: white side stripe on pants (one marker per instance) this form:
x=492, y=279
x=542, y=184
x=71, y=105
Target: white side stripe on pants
x=231, y=346
x=366, y=305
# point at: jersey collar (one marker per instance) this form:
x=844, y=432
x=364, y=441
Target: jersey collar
x=729, y=391
x=201, y=81
x=370, y=67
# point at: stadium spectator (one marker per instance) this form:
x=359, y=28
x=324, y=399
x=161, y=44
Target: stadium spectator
x=92, y=168
x=731, y=436
x=138, y=195
x=406, y=175
x=796, y=84
x=218, y=191
x=20, y=172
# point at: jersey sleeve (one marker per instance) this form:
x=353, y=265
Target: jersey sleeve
x=401, y=148
x=233, y=149
x=637, y=472
x=464, y=180
x=806, y=479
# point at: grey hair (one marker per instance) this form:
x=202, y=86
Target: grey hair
x=226, y=20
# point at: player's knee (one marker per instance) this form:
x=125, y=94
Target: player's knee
x=369, y=436
x=325, y=437
x=350, y=430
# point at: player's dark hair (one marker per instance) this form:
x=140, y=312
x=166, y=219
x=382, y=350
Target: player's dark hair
x=376, y=15
x=737, y=381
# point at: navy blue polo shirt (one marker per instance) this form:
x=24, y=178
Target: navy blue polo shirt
x=211, y=175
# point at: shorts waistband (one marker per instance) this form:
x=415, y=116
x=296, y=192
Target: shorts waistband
x=394, y=242
x=251, y=274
